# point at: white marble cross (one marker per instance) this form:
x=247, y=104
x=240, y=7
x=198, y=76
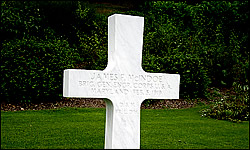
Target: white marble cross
x=124, y=83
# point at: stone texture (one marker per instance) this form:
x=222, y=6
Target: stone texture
x=124, y=83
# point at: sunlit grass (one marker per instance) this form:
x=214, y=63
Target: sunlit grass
x=83, y=128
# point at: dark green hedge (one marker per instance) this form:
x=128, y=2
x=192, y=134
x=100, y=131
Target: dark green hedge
x=32, y=69
x=205, y=42
x=33, y=57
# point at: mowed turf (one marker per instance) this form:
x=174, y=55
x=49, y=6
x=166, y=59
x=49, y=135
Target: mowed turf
x=84, y=128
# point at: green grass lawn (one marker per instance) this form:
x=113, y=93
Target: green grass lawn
x=83, y=128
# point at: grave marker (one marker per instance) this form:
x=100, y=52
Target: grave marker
x=123, y=82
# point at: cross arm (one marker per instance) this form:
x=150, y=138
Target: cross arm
x=104, y=84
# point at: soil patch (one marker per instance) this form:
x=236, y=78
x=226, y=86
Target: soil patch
x=96, y=103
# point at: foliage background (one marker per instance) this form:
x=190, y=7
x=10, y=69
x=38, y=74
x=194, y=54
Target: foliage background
x=205, y=42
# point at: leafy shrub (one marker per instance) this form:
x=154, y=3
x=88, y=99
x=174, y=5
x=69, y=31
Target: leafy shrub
x=85, y=30
x=92, y=42
x=222, y=33
x=34, y=51
x=167, y=49
x=32, y=69
x=19, y=19
x=202, y=42
x=234, y=108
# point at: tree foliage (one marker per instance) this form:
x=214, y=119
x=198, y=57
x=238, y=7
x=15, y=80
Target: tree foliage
x=205, y=42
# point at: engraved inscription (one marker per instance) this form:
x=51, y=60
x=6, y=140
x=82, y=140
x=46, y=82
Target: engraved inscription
x=125, y=108
x=125, y=84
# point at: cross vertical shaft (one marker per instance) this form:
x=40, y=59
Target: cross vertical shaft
x=125, y=41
